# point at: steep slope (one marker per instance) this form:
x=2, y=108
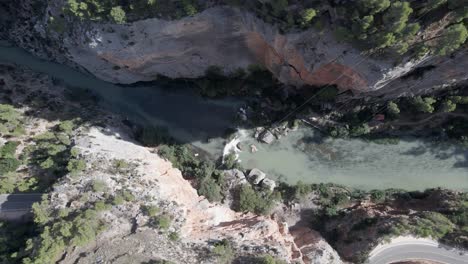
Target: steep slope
x=229, y=38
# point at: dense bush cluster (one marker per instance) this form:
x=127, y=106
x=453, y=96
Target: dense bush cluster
x=50, y=152
x=10, y=239
x=259, y=202
x=209, y=179
x=119, y=12
x=428, y=224
x=54, y=154
x=389, y=25
x=11, y=121
x=58, y=230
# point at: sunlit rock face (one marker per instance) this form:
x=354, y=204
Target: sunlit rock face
x=231, y=39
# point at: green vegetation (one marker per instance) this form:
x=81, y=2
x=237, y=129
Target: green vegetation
x=360, y=130
x=121, y=11
x=375, y=25
x=118, y=15
x=151, y=210
x=98, y=186
x=260, y=202
x=428, y=224
x=49, y=154
x=12, y=239
x=76, y=166
x=424, y=105
x=210, y=189
x=387, y=25
x=8, y=165
x=307, y=16
x=162, y=221
x=53, y=153
x=392, y=109
x=451, y=39
x=223, y=251
x=11, y=121
x=58, y=232
x=209, y=180
x=174, y=236
x=448, y=106
x=120, y=166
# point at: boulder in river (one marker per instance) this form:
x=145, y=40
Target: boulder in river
x=268, y=184
x=256, y=176
x=266, y=137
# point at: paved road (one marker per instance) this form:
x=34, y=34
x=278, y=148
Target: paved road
x=417, y=250
x=18, y=202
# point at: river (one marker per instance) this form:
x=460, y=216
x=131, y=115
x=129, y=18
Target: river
x=305, y=155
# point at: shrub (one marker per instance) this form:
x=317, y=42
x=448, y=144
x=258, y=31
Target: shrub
x=393, y=109
x=76, y=166
x=118, y=200
x=210, y=189
x=377, y=195
x=424, y=105
x=74, y=152
x=230, y=161
x=64, y=139
x=99, y=186
x=151, y=210
x=162, y=222
x=8, y=182
x=118, y=15
x=301, y=189
x=448, y=106
x=8, y=165
x=339, y=132
x=66, y=126
x=174, y=236
x=9, y=149
x=120, y=165
x=360, y=130
x=451, y=39
x=10, y=121
x=128, y=196
x=256, y=201
x=223, y=251
x=101, y=206
x=307, y=15
x=189, y=7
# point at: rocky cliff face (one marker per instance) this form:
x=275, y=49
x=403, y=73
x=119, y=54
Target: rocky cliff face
x=232, y=39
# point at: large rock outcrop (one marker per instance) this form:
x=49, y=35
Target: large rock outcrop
x=232, y=39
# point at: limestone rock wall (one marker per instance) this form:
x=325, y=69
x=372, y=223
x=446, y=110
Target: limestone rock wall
x=229, y=38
